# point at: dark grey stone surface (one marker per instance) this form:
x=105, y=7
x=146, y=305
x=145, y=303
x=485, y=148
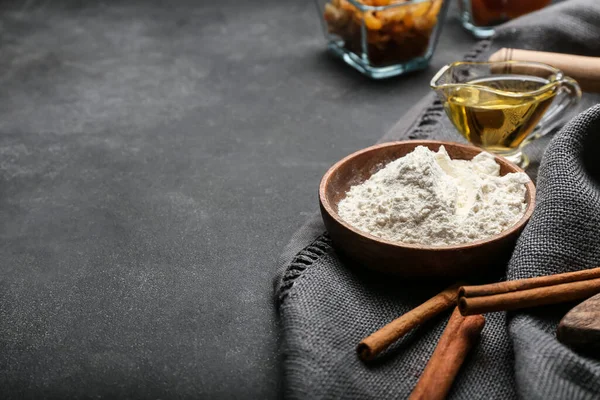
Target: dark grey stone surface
x=154, y=159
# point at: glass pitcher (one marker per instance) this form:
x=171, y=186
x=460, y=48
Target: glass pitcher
x=503, y=106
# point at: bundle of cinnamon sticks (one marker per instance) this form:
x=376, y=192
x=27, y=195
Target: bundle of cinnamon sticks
x=527, y=293
x=466, y=322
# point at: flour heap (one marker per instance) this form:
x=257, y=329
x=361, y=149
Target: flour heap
x=427, y=198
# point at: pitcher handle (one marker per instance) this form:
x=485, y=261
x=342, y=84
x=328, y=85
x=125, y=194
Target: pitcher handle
x=569, y=94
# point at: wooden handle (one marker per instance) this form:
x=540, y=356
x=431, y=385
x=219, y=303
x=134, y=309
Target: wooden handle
x=585, y=70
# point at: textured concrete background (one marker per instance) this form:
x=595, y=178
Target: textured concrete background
x=154, y=159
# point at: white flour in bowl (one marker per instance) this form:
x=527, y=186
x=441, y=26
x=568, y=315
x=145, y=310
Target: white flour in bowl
x=427, y=198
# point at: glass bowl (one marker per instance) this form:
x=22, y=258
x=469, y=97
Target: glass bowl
x=480, y=17
x=383, y=38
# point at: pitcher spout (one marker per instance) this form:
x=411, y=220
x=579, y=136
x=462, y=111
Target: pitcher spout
x=440, y=81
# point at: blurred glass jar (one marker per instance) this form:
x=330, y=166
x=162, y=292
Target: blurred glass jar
x=383, y=38
x=481, y=16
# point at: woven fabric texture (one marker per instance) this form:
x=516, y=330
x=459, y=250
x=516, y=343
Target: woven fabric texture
x=326, y=307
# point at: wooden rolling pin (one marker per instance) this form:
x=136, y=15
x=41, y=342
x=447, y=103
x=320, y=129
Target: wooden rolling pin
x=585, y=70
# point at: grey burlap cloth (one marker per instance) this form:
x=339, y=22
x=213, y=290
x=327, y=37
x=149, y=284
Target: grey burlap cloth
x=326, y=308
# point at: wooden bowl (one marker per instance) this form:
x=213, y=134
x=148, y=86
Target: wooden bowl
x=410, y=260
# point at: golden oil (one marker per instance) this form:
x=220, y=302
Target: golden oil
x=499, y=119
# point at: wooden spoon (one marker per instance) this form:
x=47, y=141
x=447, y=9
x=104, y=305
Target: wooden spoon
x=580, y=328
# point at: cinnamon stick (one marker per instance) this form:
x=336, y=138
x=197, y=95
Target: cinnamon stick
x=380, y=340
x=522, y=284
x=585, y=70
x=458, y=338
x=527, y=293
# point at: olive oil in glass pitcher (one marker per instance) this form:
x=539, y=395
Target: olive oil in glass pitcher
x=503, y=106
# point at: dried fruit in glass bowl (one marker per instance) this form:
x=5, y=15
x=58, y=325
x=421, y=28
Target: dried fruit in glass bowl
x=397, y=33
x=494, y=12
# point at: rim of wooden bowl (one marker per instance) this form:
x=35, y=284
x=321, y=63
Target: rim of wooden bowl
x=530, y=198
